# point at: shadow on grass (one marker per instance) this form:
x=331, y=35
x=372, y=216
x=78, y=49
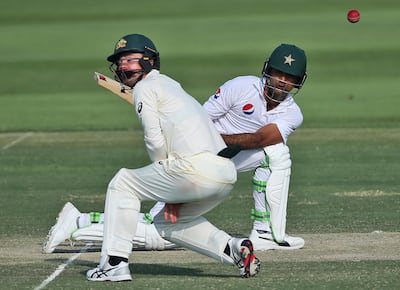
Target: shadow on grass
x=77, y=250
x=94, y=249
x=159, y=270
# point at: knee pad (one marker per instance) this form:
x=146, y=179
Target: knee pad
x=278, y=156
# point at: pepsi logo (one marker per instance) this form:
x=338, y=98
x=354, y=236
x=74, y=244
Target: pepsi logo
x=216, y=96
x=248, y=109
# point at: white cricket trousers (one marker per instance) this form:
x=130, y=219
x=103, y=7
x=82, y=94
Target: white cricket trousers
x=200, y=182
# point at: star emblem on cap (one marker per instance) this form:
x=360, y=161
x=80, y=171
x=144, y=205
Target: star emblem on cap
x=289, y=60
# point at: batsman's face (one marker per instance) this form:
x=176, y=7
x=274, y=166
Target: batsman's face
x=278, y=85
x=129, y=61
x=128, y=68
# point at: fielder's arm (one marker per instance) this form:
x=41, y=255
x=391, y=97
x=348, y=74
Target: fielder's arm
x=265, y=136
x=115, y=87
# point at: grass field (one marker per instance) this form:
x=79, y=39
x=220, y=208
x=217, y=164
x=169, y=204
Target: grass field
x=62, y=138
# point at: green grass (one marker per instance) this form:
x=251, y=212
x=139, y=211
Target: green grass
x=300, y=275
x=345, y=156
x=53, y=168
x=50, y=51
x=334, y=180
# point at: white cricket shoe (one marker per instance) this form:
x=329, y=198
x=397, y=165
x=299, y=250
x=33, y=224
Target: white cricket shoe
x=263, y=241
x=107, y=272
x=243, y=255
x=65, y=225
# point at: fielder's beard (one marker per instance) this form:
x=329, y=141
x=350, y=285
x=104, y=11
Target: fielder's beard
x=276, y=94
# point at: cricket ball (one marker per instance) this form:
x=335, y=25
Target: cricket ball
x=353, y=16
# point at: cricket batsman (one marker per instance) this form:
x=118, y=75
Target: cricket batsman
x=190, y=171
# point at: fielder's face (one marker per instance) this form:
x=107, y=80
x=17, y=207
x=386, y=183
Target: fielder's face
x=278, y=85
x=128, y=68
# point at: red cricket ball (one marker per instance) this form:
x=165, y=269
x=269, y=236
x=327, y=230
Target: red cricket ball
x=353, y=16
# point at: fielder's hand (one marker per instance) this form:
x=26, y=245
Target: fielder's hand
x=171, y=211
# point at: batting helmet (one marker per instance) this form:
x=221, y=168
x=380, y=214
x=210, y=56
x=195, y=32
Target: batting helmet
x=289, y=59
x=137, y=43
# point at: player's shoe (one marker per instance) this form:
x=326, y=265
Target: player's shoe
x=65, y=225
x=263, y=241
x=107, y=272
x=243, y=255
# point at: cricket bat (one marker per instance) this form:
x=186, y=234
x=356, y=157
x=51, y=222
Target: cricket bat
x=115, y=87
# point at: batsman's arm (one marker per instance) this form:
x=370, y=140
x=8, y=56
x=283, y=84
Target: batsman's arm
x=265, y=136
x=115, y=87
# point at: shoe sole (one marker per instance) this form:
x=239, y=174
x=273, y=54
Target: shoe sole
x=269, y=245
x=251, y=264
x=266, y=244
x=48, y=247
x=121, y=278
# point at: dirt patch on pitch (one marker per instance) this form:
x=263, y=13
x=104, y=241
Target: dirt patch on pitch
x=323, y=247
x=366, y=193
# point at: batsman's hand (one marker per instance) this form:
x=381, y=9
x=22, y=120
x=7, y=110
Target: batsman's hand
x=171, y=211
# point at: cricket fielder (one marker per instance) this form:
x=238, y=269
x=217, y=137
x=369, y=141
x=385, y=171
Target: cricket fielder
x=266, y=108
x=244, y=104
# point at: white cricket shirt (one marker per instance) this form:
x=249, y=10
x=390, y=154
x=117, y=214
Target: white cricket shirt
x=238, y=106
x=172, y=120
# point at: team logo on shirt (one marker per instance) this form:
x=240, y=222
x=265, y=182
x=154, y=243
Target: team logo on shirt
x=216, y=96
x=248, y=109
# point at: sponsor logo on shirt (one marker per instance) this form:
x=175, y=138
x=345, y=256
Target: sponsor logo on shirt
x=139, y=107
x=248, y=109
x=216, y=96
